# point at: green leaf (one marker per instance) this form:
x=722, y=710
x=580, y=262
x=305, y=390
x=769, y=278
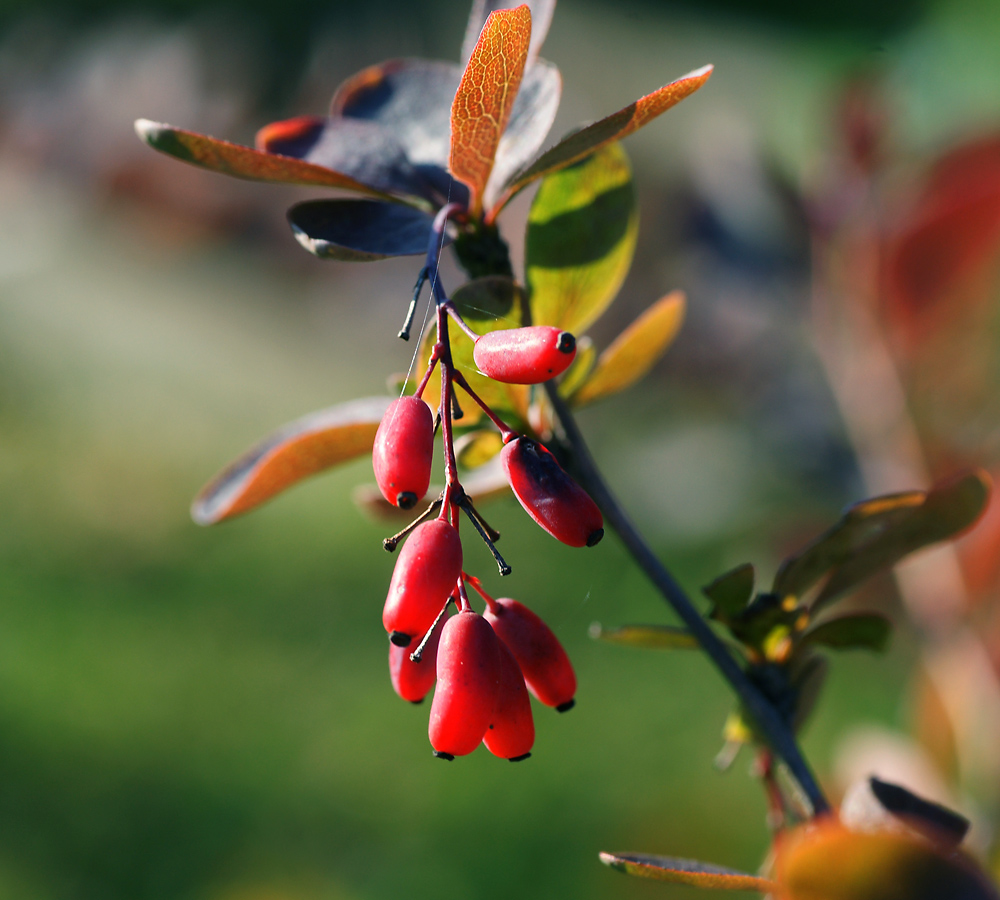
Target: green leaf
x=876, y=534
x=657, y=637
x=580, y=368
x=580, y=240
x=300, y=449
x=807, y=683
x=621, y=124
x=686, y=871
x=731, y=592
x=865, y=631
x=633, y=353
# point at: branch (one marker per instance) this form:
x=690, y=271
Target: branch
x=770, y=724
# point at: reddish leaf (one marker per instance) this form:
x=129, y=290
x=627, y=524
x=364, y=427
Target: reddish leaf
x=612, y=128
x=541, y=18
x=243, y=162
x=360, y=230
x=300, y=449
x=485, y=98
x=686, y=871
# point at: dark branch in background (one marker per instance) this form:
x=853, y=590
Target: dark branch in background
x=767, y=719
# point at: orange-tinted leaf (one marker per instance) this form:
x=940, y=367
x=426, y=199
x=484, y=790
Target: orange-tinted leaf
x=243, y=162
x=300, y=449
x=485, y=98
x=477, y=448
x=541, y=17
x=685, y=871
x=633, y=353
x=615, y=127
x=828, y=862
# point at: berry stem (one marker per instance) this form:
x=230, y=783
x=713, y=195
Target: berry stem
x=500, y=561
x=463, y=596
x=390, y=543
x=411, y=311
x=768, y=720
x=457, y=316
x=419, y=392
x=478, y=586
x=417, y=654
x=506, y=432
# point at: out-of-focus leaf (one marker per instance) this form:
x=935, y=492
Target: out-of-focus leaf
x=477, y=448
x=808, y=683
x=300, y=449
x=731, y=592
x=632, y=354
x=362, y=150
x=933, y=820
x=360, y=230
x=486, y=304
x=865, y=631
x=876, y=534
x=621, y=124
x=656, y=637
x=534, y=112
x=411, y=100
x=244, y=162
x=825, y=861
x=580, y=368
x=581, y=236
x=686, y=871
x=541, y=17
x=485, y=98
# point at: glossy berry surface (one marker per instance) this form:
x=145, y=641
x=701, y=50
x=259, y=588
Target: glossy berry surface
x=547, y=670
x=468, y=681
x=511, y=732
x=525, y=355
x=403, y=451
x=426, y=573
x=553, y=499
x=412, y=680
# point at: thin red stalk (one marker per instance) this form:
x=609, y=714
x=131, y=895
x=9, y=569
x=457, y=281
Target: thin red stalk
x=457, y=316
x=506, y=432
x=478, y=586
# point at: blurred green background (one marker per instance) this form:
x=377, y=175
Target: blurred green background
x=190, y=713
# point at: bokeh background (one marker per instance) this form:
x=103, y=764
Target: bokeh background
x=206, y=713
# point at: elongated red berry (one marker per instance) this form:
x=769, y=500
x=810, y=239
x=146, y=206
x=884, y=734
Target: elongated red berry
x=403, y=451
x=511, y=732
x=468, y=680
x=553, y=499
x=411, y=679
x=525, y=355
x=547, y=670
x=426, y=573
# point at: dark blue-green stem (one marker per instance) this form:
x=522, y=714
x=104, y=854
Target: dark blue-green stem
x=769, y=723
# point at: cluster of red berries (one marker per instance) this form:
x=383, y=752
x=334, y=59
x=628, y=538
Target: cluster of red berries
x=483, y=665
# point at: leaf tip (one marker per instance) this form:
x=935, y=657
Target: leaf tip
x=148, y=130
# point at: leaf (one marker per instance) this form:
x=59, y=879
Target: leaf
x=243, y=162
x=865, y=631
x=933, y=820
x=580, y=368
x=657, y=637
x=731, y=592
x=485, y=98
x=533, y=114
x=876, y=534
x=362, y=150
x=632, y=354
x=621, y=124
x=360, y=230
x=541, y=17
x=580, y=240
x=486, y=304
x=825, y=861
x=300, y=449
x=685, y=871
x=477, y=448
x=808, y=683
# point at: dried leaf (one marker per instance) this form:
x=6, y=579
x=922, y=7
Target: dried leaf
x=621, y=124
x=686, y=871
x=633, y=353
x=300, y=449
x=657, y=637
x=485, y=98
x=580, y=240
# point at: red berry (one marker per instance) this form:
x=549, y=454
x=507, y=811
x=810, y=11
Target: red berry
x=413, y=680
x=426, y=573
x=524, y=355
x=468, y=680
x=547, y=670
x=553, y=499
x=403, y=451
x=511, y=732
